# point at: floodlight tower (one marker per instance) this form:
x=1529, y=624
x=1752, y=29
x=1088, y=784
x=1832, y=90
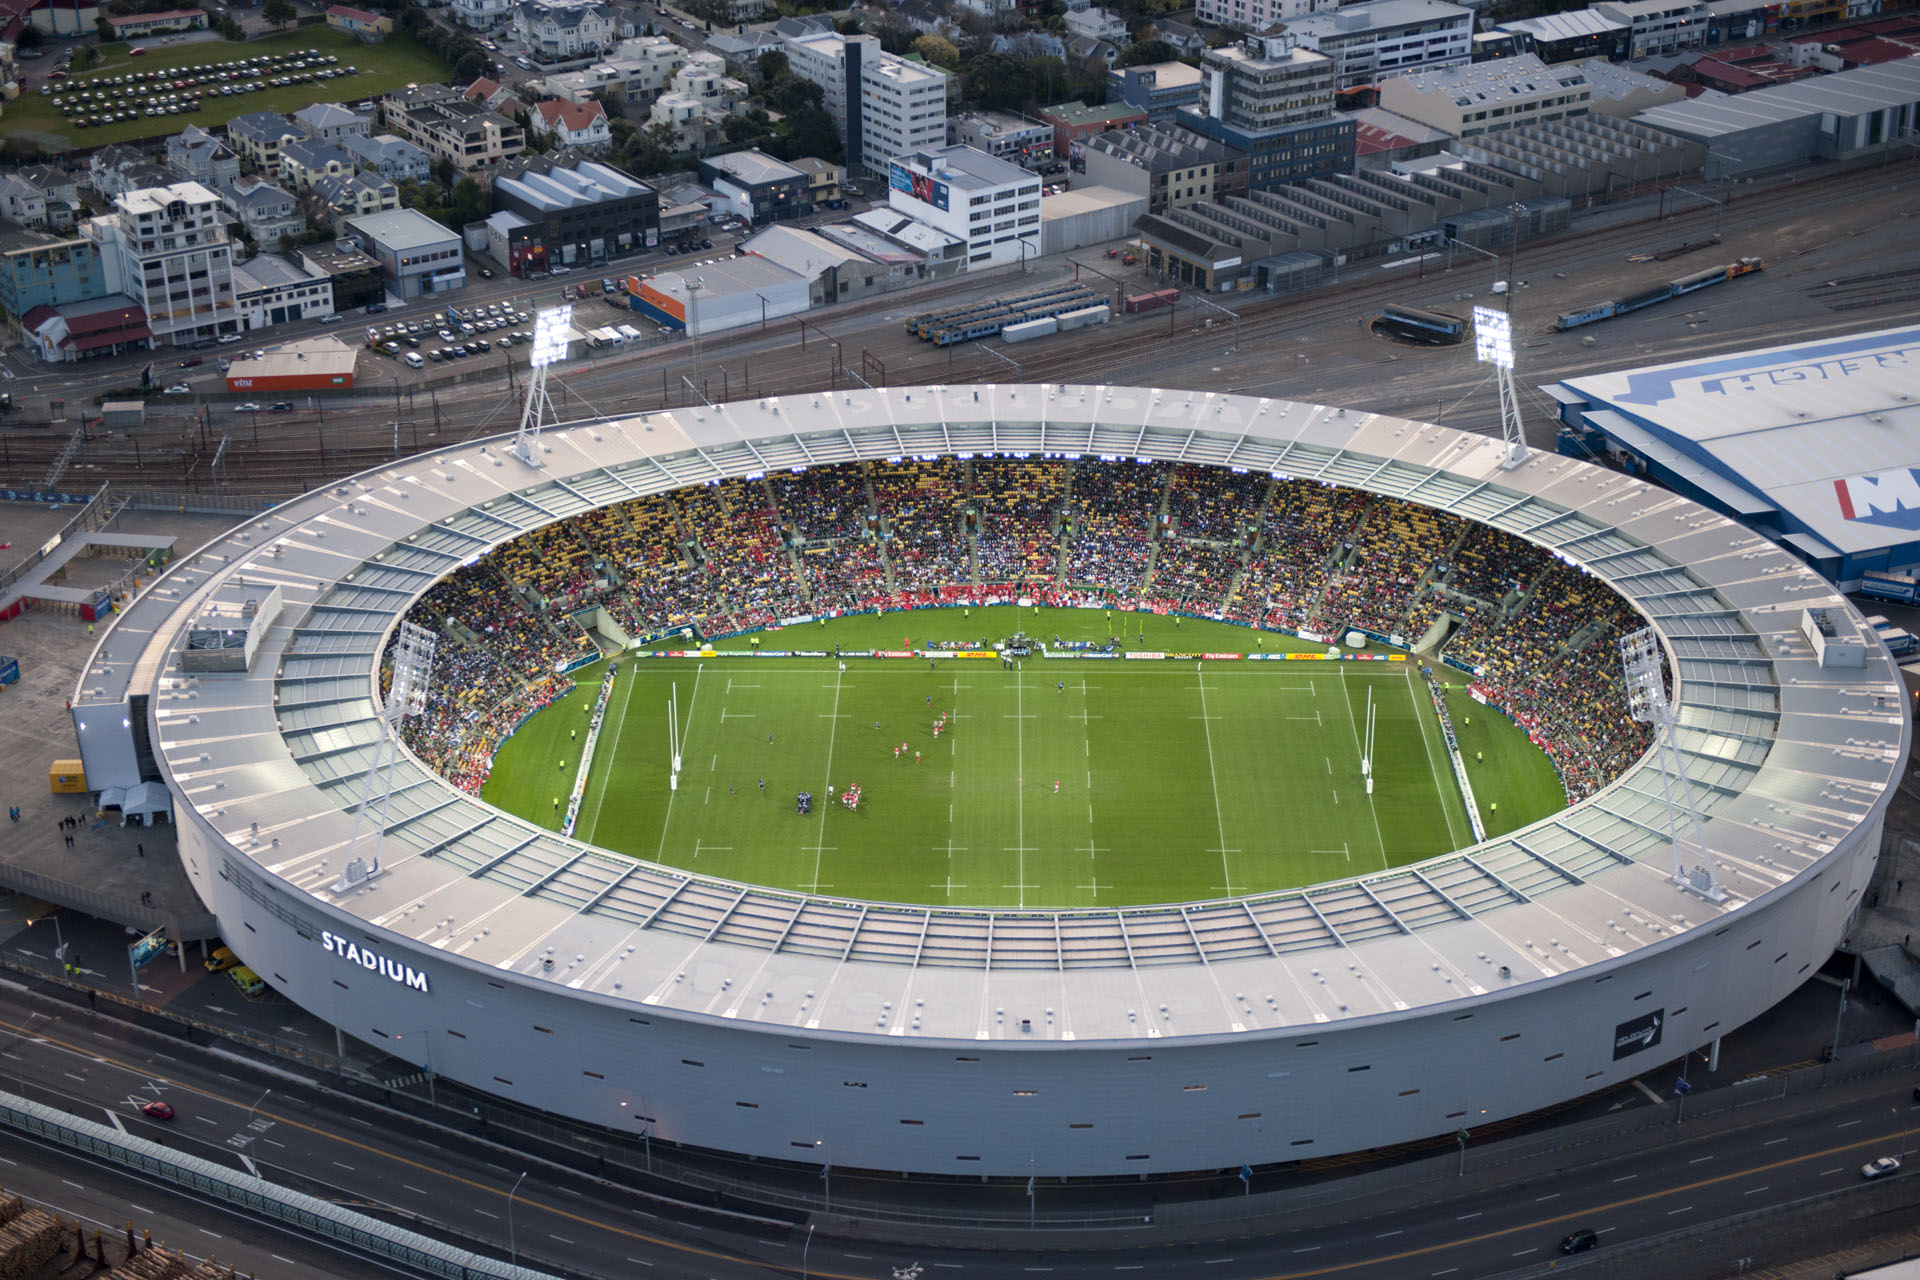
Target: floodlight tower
x=1647, y=703
x=1493, y=344
x=551, y=330
x=407, y=696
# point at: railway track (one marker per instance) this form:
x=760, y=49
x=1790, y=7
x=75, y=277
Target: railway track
x=289, y=454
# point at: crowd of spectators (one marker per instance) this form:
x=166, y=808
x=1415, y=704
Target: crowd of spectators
x=1540, y=636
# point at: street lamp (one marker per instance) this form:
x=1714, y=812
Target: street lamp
x=256, y=1106
x=513, y=1247
x=694, y=285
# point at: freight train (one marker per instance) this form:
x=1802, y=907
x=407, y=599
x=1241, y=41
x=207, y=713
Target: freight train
x=1659, y=293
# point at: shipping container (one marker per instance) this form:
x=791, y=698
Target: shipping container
x=1140, y=302
x=1029, y=329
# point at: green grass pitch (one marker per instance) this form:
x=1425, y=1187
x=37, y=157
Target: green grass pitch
x=1064, y=783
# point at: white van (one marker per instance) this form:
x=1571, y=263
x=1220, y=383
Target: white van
x=414, y=361
x=632, y=334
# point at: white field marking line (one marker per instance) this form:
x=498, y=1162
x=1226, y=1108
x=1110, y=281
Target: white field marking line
x=1219, y=814
x=832, y=731
x=1439, y=783
x=612, y=762
x=1358, y=749
x=666, y=819
x=1020, y=782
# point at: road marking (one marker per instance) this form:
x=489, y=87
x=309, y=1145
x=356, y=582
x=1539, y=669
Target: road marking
x=642, y=1261
x=407, y=1187
x=1312, y=1248
x=347, y=1167
x=1541, y=1199
x=73, y=1184
x=1628, y=1178
x=1524, y=1252
x=1384, y=1234
x=1463, y=1217
x=483, y=1213
x=1773, y=1142
x=1699, y=1159
x=1848, y=1124
x=1685, y=1209
x=1756, y=1191
x=215, y=1234
x=561, y=1239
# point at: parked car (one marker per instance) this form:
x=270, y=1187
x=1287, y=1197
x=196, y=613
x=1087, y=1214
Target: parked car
x=559, y=271
x=375, y=308
x=486, y=273
x=191, y=362
x=226, y=338
x=157, y=1110
x=206, y=344
x=1885, y=1166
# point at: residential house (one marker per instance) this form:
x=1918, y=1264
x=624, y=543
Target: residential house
x=582, y=126
x=1002, y=13
x=1096, y=56
x=483, y=15
x=22, y=202
x=493, y=94
x=446, y=126
x=392, y=158
x=331, y=122
x=563, y=29
x=266, y=211
x=923, y=16
x=1183, y=36
x=824, y=179
x=356, y=193
x=637, y=71
x=62, y=193
x=305, y=161
x=1097, y=23
x=257, y=138
x=108, y=168
x=370, y=27
x=202, y=157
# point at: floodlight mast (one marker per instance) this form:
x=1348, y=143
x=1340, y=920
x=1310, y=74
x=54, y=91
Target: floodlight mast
x=1493, y=344
x=1648, y=704
x=551, y=329
x=407, y=696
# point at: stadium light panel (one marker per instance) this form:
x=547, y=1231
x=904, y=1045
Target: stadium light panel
x=1492, y=337
x=551, y=330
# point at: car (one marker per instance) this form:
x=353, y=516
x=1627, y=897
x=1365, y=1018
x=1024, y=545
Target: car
x=375, y=308
x=706, y=244
x=205, y=344
x=191, y=362
x=157, y=1110
x=482, y=345
x=672, y=251
x=559, y=271
x=486, y=274
x=248, y=407
x=283, y=406
x=459, y=353
x=179, y=389
x=445, y=335
x=1580, y=1241
x=1885, y=1166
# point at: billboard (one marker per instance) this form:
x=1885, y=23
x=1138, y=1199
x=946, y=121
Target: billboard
x=1642, y=1033
x=920, y=186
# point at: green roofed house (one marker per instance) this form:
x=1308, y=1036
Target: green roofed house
x=1075, y=122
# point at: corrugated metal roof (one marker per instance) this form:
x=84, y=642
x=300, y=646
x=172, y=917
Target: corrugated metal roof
x=1848, y=93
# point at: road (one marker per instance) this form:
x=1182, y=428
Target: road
x=1506, y=1211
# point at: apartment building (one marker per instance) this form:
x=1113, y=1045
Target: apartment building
x=393, y=158
x=881, y=105
x=1657, y=27
x=174, y=259
x=562, y=29
x=1372, y=41
x=1258, y=15
x=1269, y=97
x=257, y=138
x=446, y=126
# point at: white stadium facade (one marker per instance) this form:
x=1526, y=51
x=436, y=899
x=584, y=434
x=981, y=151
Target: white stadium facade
x=1485, y=983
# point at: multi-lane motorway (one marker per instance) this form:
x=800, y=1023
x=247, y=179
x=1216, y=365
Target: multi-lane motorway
x=1659, y=1182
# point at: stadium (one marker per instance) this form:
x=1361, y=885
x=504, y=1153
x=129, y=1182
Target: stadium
x=951, y=1037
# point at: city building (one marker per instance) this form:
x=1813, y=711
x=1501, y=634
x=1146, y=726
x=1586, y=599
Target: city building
x=331, y=122
x=1269, y=97
x=1831, y=117
x=636, y=71
x=39, y=271
x=356, y=278
x=304, y=162
x=268, y=290
x=1656, y=27
x=306, y=364
x=833, y=271
x=720, y=294
x=824, y=179
x=368, y=26
x=1167, y=164
x=142, y=26
x=581, y=126
x=755, y=186
x=390, y=156
x=1074, y=122
x=1088, y=215
x=1623, y=93
x=991, y=205
x=417, y=255
x=1380, y=38
x=882, y=106
x=483, y=15
x=571, y=212
x=267, y=210
x=1257, y=15
x=90, y=329
x=1486, y=97
x=258, y=136
x=446, y=126
x=357, y=193
x=557, y=30
x=174, y=259
x=1160, y=89
x=1573, y=36
x=1003, y=134
x=201, y=157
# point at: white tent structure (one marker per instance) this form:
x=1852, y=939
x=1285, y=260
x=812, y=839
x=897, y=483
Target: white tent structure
x=142, y=804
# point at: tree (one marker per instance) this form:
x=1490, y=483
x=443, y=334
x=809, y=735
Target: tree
x=30, y=37
x=443, y=170
x=83, y=57
x=278, y=12
x=287, y=242
x=752, y=129
x=896, y=37
x=105, y=28
x=772, y=66
x=793, y=94
x=469, y=202
x=810, y=132
x=1000, y=82
x=1147, y=52
x=938, y=50
x=470, y=67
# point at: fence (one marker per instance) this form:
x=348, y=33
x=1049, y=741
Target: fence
x=90, y=517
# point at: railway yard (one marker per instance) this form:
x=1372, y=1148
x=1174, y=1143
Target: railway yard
x=1839, y=252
